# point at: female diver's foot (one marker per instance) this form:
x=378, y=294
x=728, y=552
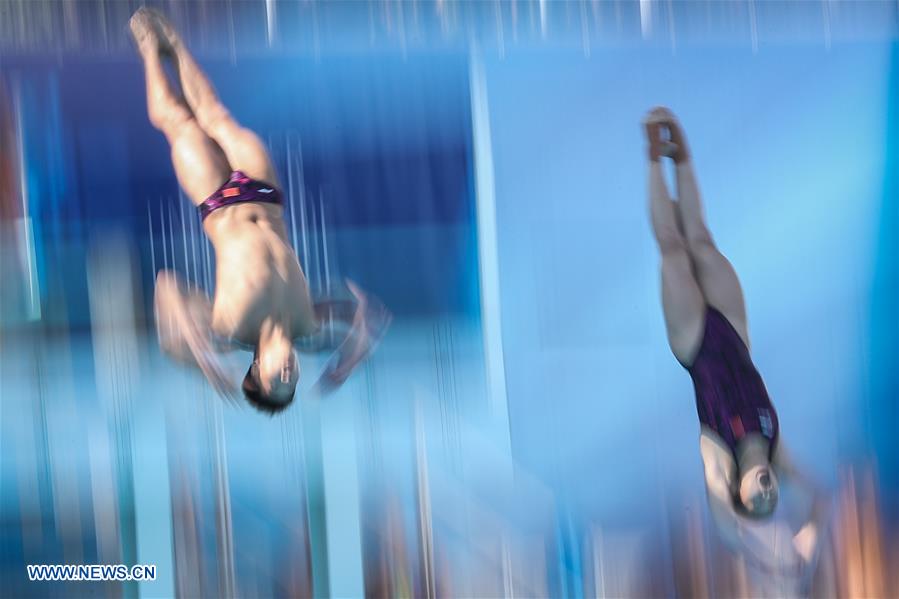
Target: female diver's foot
x=677, y=140
x=670, y=139
x=653, y=129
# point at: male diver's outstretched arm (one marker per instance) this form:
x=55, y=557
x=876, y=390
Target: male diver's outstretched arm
x=368, y=325
x=185, y=332
x=351, y=329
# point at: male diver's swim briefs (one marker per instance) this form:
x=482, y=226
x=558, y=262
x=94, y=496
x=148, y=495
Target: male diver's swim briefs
x=731, y=398
x=239, y=188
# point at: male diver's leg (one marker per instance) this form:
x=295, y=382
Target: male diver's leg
x=201, y=167
x=243, y=148
x=199, y=162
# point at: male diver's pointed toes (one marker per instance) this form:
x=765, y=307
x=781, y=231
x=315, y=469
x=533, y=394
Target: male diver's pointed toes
x=141, y=31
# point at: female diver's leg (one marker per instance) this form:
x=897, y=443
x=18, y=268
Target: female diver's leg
x=682, y=300
x=243, y=148
x=758, y=489
x=717, y=277
x=199, y=163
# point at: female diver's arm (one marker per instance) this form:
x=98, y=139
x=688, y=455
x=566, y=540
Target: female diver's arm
x=805, y=541
x=720, y=476
x=719, y=470
x=720, y=473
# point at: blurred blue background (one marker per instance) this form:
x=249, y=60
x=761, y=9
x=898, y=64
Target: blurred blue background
x=523, y=428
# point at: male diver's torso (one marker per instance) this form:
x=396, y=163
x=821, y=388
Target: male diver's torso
x=257, y=273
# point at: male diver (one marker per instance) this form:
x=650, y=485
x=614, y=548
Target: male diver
x=262, y=300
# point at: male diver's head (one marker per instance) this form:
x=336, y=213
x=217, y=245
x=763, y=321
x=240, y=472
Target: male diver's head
x=758, y=491
x=271, y=381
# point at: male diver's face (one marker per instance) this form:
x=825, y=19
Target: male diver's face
x=277, y=371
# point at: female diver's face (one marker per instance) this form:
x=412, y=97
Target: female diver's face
x=759, y=490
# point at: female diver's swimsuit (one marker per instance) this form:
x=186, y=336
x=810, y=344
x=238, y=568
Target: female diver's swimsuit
x=240, y=188
x=731, y=398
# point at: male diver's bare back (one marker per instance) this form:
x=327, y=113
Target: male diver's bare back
x=258, y=276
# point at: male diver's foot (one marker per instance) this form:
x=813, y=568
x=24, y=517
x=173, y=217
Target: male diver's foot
x=169, y=38
x=143, y=31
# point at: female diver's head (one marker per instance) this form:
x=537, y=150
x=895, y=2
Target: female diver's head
x=271, y=381
x=758, y=491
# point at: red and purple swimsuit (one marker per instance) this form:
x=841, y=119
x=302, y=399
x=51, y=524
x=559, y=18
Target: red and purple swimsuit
x=731, y=397
x=240, y=188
